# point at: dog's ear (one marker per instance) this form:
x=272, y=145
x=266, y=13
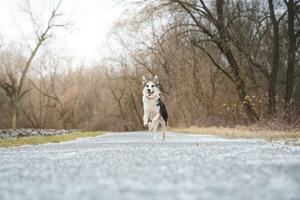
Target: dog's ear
x=144, y=80
x=155, y=79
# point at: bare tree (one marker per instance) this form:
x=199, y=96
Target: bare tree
x=275, y=59
x=221, y=39
x=14, y=86
x=293, y=8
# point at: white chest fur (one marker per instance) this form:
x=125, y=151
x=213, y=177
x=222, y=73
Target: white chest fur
x=150, y=106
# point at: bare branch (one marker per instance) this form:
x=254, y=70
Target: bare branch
x=41, y=39
x=215, y=62
x=55, y=98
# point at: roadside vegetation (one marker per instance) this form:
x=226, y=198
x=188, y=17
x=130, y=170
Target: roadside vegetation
x=34, y=140
x=242, y=132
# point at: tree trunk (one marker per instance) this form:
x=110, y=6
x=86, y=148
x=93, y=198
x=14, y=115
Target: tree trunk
x=241, y=88
x=291, y=56
x=14, y=112
x=272, y=82
x=238, y=80
x=271, y=96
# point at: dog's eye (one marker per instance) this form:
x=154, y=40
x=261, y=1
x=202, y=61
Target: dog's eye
x=147, y=85
x=152, y=85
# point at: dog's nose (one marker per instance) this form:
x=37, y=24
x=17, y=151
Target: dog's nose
x=149, y=90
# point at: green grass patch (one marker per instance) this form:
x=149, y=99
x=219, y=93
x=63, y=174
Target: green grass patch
x=34, y=140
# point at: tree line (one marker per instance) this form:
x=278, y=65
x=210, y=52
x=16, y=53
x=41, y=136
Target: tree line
x=220, y=62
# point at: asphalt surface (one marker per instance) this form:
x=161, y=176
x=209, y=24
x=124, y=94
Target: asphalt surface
x=130, y=166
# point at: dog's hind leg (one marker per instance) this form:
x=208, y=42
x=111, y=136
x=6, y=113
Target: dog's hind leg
x=155, y=131
x=164, y=133
x=163, y=124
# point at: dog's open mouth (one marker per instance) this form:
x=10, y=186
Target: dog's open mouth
x=150, y=93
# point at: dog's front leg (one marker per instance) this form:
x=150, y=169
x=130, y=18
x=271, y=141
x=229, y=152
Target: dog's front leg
x=146, y=118
x=153, y=127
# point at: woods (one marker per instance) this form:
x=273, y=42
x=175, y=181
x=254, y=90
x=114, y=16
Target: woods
x=9, y=82
x=220, y=62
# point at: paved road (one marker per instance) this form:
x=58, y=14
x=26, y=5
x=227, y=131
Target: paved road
x=128, y=166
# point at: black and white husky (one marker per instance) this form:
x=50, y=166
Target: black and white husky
x=155, y=112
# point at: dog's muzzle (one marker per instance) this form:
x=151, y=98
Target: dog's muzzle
x=149, y=92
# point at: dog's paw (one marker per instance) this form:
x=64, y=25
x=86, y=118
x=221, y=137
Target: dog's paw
x=150, y=125
x=146, y=124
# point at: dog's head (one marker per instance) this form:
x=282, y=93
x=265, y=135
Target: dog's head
x=151, y=89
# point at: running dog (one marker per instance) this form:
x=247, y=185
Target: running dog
x=155, y=111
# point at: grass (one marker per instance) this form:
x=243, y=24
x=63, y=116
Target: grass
x=34, y=140
x=241, y=132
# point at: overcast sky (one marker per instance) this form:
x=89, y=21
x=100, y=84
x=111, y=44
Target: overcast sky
x=85, y=41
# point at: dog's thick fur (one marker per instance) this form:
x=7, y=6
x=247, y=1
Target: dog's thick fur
x=155, y=112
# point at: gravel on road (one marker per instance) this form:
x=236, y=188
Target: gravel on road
x=129, y=166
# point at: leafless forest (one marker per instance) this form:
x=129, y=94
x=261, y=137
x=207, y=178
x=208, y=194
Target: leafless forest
x=220, y=62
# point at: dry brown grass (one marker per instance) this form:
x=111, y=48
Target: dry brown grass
x=241, y=132
x=34, y=140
